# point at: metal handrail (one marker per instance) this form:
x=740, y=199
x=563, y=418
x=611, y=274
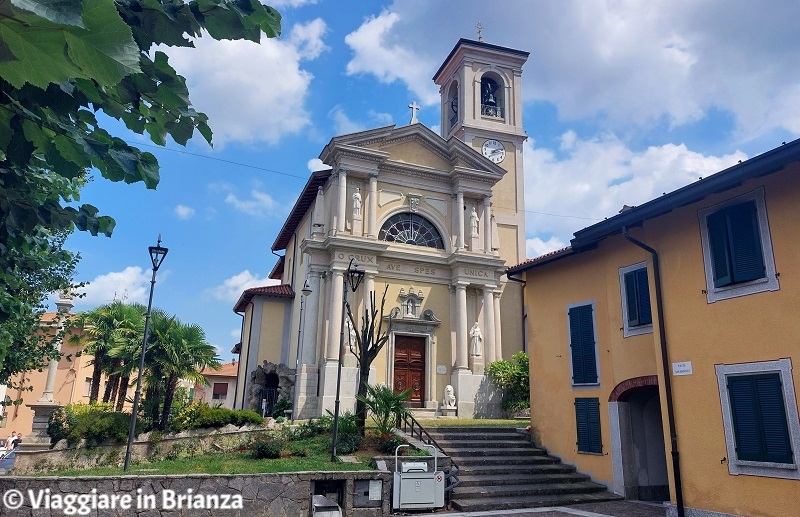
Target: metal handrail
x=408, y=420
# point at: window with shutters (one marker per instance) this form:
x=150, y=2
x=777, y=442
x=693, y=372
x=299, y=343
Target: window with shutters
x=220, y=391
x=587, y=423
x=635, y=291
x=759, y=413
x=582, y=343
x=737, y=248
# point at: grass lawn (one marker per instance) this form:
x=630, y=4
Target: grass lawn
x=318, y=459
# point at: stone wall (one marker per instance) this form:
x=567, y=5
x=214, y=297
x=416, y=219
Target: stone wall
x=198, y=441
x=254, y=495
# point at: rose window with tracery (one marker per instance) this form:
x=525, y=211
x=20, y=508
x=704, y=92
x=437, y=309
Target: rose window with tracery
x=410, y=228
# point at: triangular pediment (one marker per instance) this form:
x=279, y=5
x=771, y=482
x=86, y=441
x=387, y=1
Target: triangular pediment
x=415, y=145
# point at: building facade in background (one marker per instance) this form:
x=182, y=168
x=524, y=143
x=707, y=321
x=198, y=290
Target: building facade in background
x=436, y=219
x=613, y=379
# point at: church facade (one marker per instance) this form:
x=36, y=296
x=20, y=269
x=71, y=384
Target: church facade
x=434, y=221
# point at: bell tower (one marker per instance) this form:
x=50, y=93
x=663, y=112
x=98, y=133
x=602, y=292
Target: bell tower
x=481, y=104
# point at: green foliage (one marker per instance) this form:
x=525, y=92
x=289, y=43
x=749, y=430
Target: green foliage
x=279, y=408
x=95, y=423
x=200, y=415
x=347, y=443
x=388, y=442
x=513, y=377
x=386, y=406
x=264, y=447
x=60, y=64
x=312, y=428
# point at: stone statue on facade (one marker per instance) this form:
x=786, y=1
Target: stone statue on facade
x=473, y=222
x=476, y=340
x=357, y=203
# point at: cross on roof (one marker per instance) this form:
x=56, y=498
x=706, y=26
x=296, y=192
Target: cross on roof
x=480, y=27
x=414, y=107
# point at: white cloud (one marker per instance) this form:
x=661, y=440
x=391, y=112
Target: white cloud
x=252, y=92
x=236, y=333
x=231, y=289
x=383, y=119
x=376, y=51
x=129, y=285
x=184, y=212
x=342, y=123
x=315, y=164
x=259, y=204
x=594, y=178
x=537, y=247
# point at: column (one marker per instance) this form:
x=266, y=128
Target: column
x=335, y=319
x=488, y=323
x=498, y=336
x=461, y=329
x=372, y=207
x=369, y=287
x=63, y=304
x=486, y=217
x=311, y=320
x=459, y=210
x=340, y=208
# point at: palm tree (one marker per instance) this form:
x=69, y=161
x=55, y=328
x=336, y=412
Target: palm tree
x=177, y=351
x=126, y=352
x=101, y=325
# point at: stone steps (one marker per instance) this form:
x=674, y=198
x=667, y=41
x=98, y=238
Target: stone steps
x=501, y=469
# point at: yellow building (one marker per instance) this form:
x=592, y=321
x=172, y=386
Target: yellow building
x=435, y=218
x=662, y=343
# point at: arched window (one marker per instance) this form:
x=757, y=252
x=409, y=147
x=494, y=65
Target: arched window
x=410, y=228
x=492, y=101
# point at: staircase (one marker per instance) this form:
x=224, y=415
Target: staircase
x=500, y=469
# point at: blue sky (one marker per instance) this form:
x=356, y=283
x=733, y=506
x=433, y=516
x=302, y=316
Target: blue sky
x=622, y=101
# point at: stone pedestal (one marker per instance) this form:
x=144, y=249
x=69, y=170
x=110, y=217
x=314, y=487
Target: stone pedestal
x=306, y=401
x=358, y=225
x=449, y=412
x=38, y=439
x=474, y=243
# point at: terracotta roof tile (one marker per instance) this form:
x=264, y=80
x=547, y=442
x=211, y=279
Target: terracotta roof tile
x=542, y=259
x=272, y=291
x=227, y=370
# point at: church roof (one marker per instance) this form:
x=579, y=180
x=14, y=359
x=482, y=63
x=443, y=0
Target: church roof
x=301, y=206
x=270, y=291
x=463, y=42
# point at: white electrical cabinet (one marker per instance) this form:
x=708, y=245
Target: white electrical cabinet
x=414, y=487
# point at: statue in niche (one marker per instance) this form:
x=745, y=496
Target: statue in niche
x=449, y=397
x=357, y=203
x=477, y=340
x=410, y=308
x=473, y=222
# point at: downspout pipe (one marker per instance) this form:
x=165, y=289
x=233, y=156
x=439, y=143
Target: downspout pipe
x=662, y=334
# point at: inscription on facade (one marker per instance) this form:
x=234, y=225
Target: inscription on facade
x=418, y=270
x=363, y=259
x=424, y=270
x=480, y=273
x=393, y=267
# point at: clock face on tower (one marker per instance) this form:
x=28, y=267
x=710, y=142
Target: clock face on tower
x=494, y=150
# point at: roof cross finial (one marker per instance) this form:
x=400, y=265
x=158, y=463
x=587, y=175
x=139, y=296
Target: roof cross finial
x=480, y=27
x=414, y=107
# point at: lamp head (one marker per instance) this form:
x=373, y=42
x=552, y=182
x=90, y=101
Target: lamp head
x=306, y=289
x=354, y=275
x=157, y=254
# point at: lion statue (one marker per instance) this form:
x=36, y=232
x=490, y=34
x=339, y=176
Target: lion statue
x=449, y=397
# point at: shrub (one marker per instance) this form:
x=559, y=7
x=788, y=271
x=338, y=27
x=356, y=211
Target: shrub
x=278, y=410
x=94, y=422
x=200, y=414
x=388, y=442
x=513, y=377
x=386, y=406
x=311, y=429
x=265, y=447
x=347, y=443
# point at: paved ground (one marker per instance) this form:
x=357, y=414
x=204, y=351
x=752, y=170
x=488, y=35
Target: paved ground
x=608, y=509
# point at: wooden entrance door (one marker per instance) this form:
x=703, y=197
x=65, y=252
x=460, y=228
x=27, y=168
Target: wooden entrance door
x=409, y=367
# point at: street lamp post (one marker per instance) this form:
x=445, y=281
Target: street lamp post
x=306, y=292
x=353, y=277
x=157, y=254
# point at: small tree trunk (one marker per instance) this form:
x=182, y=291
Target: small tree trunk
x=361, y=407
x=122, y=392
x=169, y=395
x=94, y=391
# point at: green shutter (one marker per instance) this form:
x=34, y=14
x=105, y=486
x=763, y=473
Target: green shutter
x=581, y=330
x=759, y=418
x=718, y=244
x=745, y=242
x=587, y=423
x=631, y=299
x=643, y=297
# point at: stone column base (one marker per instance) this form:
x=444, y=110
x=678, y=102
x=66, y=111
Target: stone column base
x=38, y=439
x=306, y=403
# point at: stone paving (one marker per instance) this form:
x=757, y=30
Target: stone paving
x=606, y=509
